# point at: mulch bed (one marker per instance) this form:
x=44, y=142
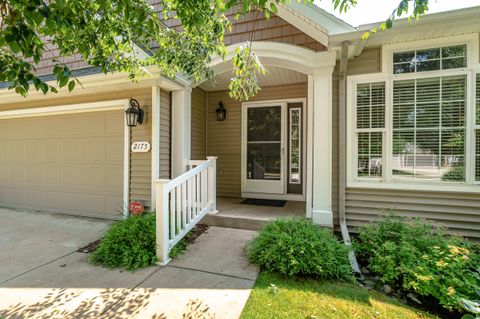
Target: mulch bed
x=191, y=238
x=90, y=248
x=196, y=232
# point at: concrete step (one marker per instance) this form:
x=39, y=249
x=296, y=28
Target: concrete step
x=234, y=222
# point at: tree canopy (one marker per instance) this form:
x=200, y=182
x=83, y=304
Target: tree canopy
x=108, y=33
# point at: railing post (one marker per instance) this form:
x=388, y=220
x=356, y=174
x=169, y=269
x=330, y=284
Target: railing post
x=212, y=184
x=162, y=231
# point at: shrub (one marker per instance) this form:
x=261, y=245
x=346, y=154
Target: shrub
x=294, y=246
x=455, y=174
x=129, y=244
x=415, y=256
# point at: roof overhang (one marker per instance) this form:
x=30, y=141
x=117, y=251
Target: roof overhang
x=312, y=20
x=102, y=83
x=435, y=25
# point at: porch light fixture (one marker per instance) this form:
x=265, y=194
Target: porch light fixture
x=134, y=114
x=221, y=112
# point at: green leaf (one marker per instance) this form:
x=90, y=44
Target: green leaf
x=37, y=82
x=44, y=88
x=71, y=85
x=389, y=23
x=15, y=47
x=63, y=81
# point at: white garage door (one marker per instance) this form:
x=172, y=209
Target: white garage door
x=69, y=163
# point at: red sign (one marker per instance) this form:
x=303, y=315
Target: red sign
x=136, y=208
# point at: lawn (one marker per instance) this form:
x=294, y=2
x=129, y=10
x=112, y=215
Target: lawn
x=274, y=296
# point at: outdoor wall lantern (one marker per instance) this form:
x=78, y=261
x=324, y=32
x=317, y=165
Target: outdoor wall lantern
x=221, y=112
x=134, y=114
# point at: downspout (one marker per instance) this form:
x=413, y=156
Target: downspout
x=342, y=92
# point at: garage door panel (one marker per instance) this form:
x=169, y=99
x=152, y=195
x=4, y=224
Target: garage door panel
x=94, y=176
x=69, y=151
x=112, y=149
x=32, y=128
x=16, y=175
x=92, y=153
x=115, y=208
x=34, y=175
x=111, y=123
x=34, y=200
x=15, y=152
x=50, y=151
x=51, y=126
x=33, y=152
x=16, y=197
x=64, y=163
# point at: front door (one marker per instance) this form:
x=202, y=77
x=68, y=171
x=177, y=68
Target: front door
x=263, y=148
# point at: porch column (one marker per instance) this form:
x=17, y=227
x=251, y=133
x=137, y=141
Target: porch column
x=181, y=113
x=322, y=146
x=155, y=149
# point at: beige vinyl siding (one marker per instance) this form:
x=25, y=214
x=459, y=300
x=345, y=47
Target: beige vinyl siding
x=198, y=130
x=140, y=163
x=165, y=133
x=224, y=138
x=460, y=212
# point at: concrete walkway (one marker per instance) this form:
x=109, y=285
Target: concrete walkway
x=42, y=275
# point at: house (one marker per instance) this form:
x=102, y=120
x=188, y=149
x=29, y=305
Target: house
x=346, y=128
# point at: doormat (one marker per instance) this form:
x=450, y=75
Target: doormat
x=264, y=202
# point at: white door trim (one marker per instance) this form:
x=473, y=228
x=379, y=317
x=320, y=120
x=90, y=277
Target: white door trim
x=84, y=108
x=284, y=195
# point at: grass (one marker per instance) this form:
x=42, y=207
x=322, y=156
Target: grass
x=274, y=296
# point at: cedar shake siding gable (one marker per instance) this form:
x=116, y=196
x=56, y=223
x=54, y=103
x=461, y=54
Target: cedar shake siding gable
x=272, y=29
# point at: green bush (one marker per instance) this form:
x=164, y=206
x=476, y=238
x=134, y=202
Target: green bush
x=129, y=244
x=415, y=256
x=294, y=246
x=455, y=174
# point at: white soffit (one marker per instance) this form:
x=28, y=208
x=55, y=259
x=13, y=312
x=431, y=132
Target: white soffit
x=275, y=76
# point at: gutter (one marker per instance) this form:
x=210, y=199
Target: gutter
x=342, y=85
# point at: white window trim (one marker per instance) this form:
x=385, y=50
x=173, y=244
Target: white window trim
x=387, y=76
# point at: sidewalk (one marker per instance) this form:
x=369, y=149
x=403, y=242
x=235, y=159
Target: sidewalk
x=211, y=280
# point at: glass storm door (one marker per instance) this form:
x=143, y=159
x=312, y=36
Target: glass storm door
x=263, y=149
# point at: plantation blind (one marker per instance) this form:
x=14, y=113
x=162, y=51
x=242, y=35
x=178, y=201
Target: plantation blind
x=429, y=129
x=370, y=125
x=477, y=129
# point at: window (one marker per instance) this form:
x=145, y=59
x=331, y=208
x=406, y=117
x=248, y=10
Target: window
x=369, y=129
x=429, y=129
x=477, y=129
x=295, y=145
x=419, y=122
x=444, y=58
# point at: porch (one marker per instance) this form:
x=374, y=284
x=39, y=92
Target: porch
x=232, y=213
x=260, y=149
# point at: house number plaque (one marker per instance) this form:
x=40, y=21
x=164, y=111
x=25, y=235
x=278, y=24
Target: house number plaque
x=140, y=147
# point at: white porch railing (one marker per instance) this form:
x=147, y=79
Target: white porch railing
x=183, y=202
